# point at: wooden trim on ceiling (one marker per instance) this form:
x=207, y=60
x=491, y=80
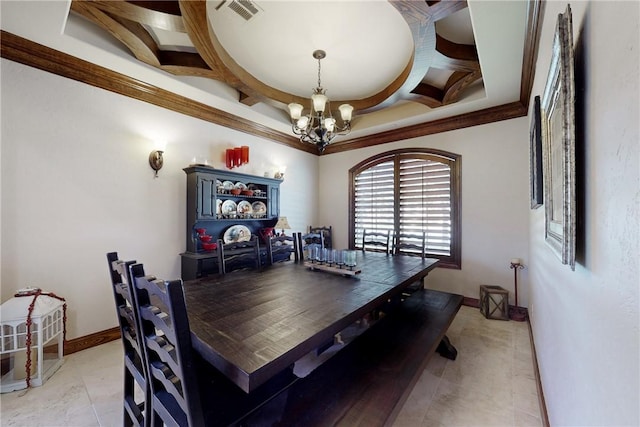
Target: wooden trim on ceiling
x=35, y=55
x=29, y=53
x=481, y=117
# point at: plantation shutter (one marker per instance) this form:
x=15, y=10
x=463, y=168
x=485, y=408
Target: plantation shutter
x=425, y=201
x=374, y=199
x=410, y=192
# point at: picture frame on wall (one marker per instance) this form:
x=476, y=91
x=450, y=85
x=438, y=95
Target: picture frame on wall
x=558, y=124
x=535, y=156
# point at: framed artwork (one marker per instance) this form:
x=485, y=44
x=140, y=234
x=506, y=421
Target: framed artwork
x=558, y=124
x=535, y=156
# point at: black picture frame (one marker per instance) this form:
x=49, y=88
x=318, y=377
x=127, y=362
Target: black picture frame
x=535, y=156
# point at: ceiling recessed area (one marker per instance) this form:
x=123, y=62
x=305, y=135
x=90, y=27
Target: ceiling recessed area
x=408, y=67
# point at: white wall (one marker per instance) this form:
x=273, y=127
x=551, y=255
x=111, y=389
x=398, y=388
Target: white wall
x=76, y=184
x=495, y=202
x=585, y=323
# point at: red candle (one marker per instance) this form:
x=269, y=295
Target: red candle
x=237, y=156
x=245, y=154
x=229, y=158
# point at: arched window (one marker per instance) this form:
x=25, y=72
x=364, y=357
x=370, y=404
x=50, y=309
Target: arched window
x=409, y=191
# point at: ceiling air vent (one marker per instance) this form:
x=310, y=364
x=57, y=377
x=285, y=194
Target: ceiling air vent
x=245, y=8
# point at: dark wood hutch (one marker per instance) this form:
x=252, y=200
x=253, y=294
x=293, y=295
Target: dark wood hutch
x=204, y=199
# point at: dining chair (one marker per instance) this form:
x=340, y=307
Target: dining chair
x=186, y=390
x=326, y=234
x=307, y=241
x=280, y=248
x=136, y=412
x=175, y=397
x=238, y=255
x=411, y=244
x=378, y=241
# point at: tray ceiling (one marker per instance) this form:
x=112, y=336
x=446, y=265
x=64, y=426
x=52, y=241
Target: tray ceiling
x=402, y=64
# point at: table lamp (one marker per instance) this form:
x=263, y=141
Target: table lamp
x=282, y=224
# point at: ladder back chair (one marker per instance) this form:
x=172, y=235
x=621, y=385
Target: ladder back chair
x=378, y=241
x=280, y=248
x=308, y=241
x=166, y=335
x=238, y=255
x=186, y=390
x=411, y=244
x=136, y=413
x=326, y=234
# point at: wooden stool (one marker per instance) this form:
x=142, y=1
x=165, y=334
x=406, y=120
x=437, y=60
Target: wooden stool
x=494, y=302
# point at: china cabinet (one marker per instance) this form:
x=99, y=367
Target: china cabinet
x=224, y=205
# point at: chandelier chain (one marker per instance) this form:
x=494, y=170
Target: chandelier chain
x=319, y=84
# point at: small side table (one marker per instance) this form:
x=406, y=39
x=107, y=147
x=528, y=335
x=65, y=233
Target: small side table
x=494, y=302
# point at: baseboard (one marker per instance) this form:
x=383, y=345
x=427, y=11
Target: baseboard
x=92, y=340
x=544, y=416
x=471, y=302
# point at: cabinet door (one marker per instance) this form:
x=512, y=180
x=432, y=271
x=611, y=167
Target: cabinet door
x=274, y=201
x=206, y=198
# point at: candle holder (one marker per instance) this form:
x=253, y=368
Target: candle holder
x=516, y=312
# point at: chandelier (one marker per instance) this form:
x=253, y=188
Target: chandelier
x=315, y=127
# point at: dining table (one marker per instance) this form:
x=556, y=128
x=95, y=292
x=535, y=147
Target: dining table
x=253, y=324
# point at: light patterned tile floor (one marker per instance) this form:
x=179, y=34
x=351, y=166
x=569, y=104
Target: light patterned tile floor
x=491, y=383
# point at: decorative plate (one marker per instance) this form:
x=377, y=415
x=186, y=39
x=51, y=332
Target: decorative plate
x=218, y=206
x=237, y=233
x=218, y=183
x=229, y=207
x=240, y=185
x=259, y=208
x=244, y=207
x=228, y=185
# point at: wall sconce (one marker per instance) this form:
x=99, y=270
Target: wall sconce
x=155, y=157
x=237, y=156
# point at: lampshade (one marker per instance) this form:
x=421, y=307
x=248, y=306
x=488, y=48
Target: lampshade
x=282, y=223
x=319, y=101
x=295, y=110
x=345, y=112
x=330, y=123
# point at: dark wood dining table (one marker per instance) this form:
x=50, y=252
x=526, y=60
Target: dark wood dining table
x=251, y=325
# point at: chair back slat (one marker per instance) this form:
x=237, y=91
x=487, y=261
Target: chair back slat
x=379, y=241
x=136, y=412
x=238, y=255
x=167, y=344
x=280, y=248
x=326, y=234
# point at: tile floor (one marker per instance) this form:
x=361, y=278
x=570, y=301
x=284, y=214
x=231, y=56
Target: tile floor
x=491, y=383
